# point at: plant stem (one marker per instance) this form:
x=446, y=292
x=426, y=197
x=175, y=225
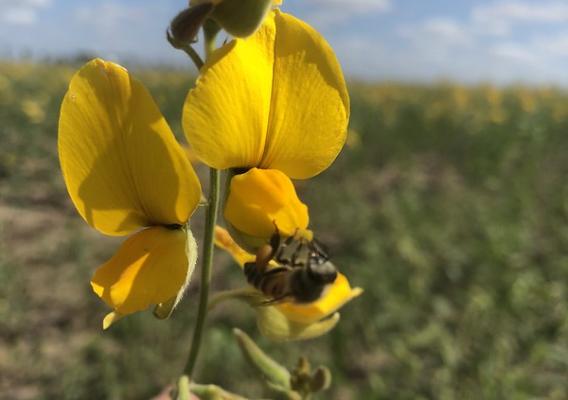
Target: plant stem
x=235, y=294
x=208, y=249
x=190, y=51
x=208, y=238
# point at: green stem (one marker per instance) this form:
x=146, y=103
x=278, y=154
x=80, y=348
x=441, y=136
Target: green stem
x=190, y=51
x=212, y=392
x=208, y=249
x=208, y=238
x=235, y=294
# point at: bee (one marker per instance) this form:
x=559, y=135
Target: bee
x=302, y=274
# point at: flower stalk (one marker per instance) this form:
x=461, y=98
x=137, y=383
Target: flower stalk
x=206, y=269
x=208, y=241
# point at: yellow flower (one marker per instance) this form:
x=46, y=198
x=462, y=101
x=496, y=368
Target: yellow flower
x=276, y=100
x=292, y=321
x=126, y=174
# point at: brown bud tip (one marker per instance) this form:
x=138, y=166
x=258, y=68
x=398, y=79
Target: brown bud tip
x=184, y=27
x=304, y=366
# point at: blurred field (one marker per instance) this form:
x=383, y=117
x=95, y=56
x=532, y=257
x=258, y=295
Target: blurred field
x=449, y=206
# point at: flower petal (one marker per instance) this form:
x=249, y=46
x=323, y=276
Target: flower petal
x=338, y=294
x=275, y=100
x=164, y=310
x=274, y=324
x=151, y=267
x=224, y=241
x=225, y=116
x=310, y=102
x=261, y=200
x=121, y=163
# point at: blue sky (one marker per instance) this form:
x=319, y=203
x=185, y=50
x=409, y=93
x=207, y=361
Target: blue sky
x=501, y=41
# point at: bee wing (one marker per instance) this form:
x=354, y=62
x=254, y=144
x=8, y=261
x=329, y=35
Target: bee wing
x=319, y=248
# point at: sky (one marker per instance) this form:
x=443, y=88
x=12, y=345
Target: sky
x=470, y=41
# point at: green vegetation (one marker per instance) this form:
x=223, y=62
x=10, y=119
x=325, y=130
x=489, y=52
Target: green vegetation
x=448, y=206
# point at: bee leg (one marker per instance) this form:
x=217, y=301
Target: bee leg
x=251, y=272
x=263, y=257
x=276, y=300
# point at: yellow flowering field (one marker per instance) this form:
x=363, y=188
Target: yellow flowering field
x=449, y=206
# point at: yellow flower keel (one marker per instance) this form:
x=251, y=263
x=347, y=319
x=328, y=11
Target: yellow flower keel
x=261, y=200
x=151, y=267
x=338, y=294
x=275, y=325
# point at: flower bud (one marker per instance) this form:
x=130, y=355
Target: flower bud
x=274, y=325
x=273, y=372
x=321, y=380
x=184, y=27
x=261, y=201
x=241, y=18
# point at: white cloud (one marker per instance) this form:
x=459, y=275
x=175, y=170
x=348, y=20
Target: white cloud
x=21, y=12
x=501, y=17
x=516, y=11
x=24, y=3
x=19, y=16
x=355, y=6
x=331, y=12
x=514, y=52
x=447, y=29
x=115, y=15
x=436, y=33
x=555, y=45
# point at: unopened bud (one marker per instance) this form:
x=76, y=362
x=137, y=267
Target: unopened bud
x=274, y=325
x=273, y=372
x=321, y=380
x=303, y=366
x=241, y=18
x=185, y=26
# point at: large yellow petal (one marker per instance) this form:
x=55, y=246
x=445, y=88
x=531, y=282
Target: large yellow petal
x=225, y=116
x=121, y=163
x=310, y=103
x=275, y=100
x=151, y=267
